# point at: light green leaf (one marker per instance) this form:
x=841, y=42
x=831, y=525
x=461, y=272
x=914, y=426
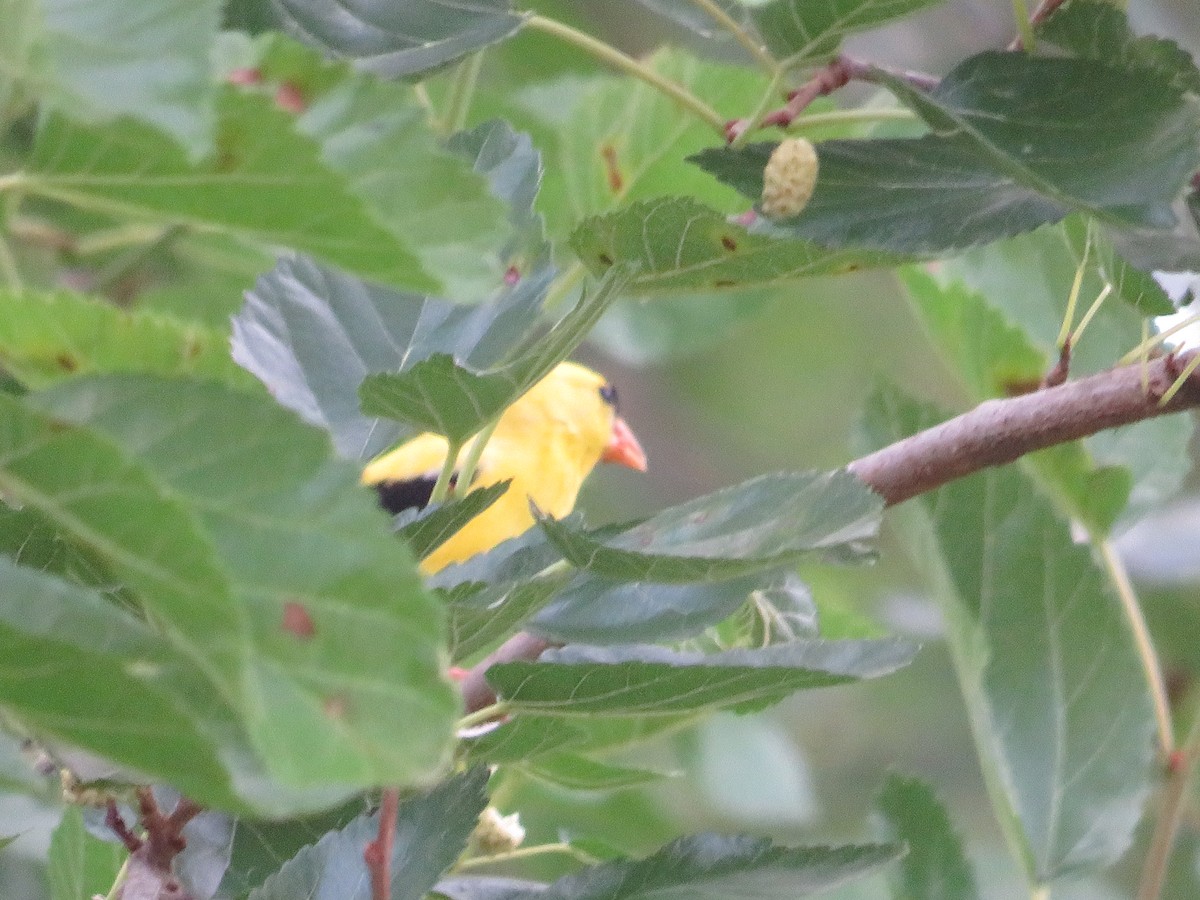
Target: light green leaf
x=803, y=32
x=47, y=337
x=1046, y=662
x=266, y=184
x=400, y=39
x=431, y=832
x=721, y=867
x=19, y=49
x=76, y=669
x=761, y=524
x=522, y=738
x=579, y=773
x=1093, y=249
x=376, y=136
x=611, y=141
x=654, y=681
x=436, y=394
x=935, y=867
x=310, y=570
x=1093, y=29
x=97, y=62
x=433, y=525
x=680, y=246
x=303, y=333
x=80, y=865
x=483, y=614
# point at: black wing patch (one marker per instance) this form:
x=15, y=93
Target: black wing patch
x=411, y=493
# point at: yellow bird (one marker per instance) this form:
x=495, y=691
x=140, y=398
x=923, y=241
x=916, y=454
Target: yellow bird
x=547, y=443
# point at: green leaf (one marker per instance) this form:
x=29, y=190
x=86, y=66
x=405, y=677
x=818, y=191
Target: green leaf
x=1093, y=29
x=435, y=524
x=485, y=887
x=935, y=867
x=679, y=245
x=721, y=867
x=80, y=865
x=522, y=738
x=513, y=169
x=376, y=136
x=99, y=62
x=593, y=609
x=761, y=524
x=1027, y=140
x=47, y=337
x=438, y=395
x=431, y=831
x=76, y=669
x=307, y=569
x=579, y=773
x=655, y=681
x=1093, y=249
x=483, y=614
x=802, y=32
x=302, y=332
x=402, y=39
x=700, y=30
x=19, y=49
x=112, y=505
x=614, y=140
x=266, y=184
x=1046, y=662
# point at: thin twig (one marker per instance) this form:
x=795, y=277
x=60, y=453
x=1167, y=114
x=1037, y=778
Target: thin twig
x=1043, y=11
x=831, y=77
x=378, y=853
x=1181, y=765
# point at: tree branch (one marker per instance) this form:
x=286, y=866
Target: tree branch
x=149, y=876
x=992, y=434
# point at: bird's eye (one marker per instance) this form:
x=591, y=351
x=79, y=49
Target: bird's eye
x=608, y=394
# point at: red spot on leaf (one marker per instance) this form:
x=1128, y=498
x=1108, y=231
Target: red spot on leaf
x=66, y=362
x=246, y=76
x=458, y=673
x=290, y=98
x=512, y=275
x=336, y=707
x=611, y=170
x=606, y=260
x=728, y=243
x=297, y=621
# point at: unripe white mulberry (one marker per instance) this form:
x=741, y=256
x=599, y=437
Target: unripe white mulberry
x=789, y=178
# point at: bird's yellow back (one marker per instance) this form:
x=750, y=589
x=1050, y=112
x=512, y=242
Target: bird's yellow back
x=546, y=443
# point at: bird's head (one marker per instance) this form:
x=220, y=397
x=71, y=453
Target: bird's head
x=581, y=406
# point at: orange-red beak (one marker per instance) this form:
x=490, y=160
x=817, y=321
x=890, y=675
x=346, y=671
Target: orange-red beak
x=624, y=448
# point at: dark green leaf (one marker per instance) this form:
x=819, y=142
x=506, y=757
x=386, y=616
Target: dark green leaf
x=399, y=39
x=434, y=525
x=761, y=524
x=593, y=609
x=579, y=773
x=47, y=337
x=306, y=572
x=311, y=334
x=483, y=614
x=681, y=245
x=99, y=62
x=522, y=738
x=626, y=681
x=700, y=30
x=935, y=867
x=720, y=867
x=437, y=394
x=803, y=32
x=80, y=865
x=431, y=831
x=1093, y=29
x=266, y=184
x=473, y=887
x=1046, y=662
